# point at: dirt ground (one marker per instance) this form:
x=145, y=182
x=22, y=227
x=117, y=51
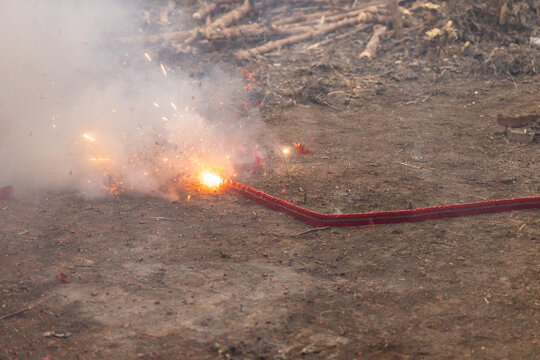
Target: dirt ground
x=220, y=277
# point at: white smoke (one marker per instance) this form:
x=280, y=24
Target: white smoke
x=64, y=74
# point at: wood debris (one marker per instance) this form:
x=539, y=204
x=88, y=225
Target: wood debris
x=270, y=26
x=397, y=21
x=164, y=13
x=15, y=313
x=303, y=35
x=57, y=334
x=228, y=19
x=206, y=9
x=522, y=128
x=371, y=47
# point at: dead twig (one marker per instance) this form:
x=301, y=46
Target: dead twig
x=356, y=29
x=164, y=13
x=311, y=230
x=228, y=19
x=251, y=30
x=205, y=9
x=305, y=18
x=158, y=218
x=16, y=312
x=397, y=21
x=212, y=29
x=318, y=31
x=371, y=47
x=371, y=14
x=272, y=45
x=412, y=166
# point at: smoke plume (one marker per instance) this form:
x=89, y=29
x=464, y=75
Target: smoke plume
x=79, y=111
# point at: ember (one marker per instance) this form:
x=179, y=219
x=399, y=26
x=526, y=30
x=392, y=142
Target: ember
x=89, y=138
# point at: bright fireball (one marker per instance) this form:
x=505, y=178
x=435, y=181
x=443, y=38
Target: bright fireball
x=210, y=180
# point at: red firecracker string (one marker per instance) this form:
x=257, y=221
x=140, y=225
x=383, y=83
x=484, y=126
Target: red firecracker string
x=382, y=217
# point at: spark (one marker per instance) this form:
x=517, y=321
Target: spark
x=163, y=69
x=156, y=104
x=174, y=106
x=147, y=56
x=210, y=180
x=285, y=150
x=89, y=138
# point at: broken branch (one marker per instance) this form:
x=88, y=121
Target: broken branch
x=371, y=47
x=319, y=31
x=397, y=21
x=204, y=10
x=164, y=13
x=229, y=18
x=16, y=312
x=249, y=30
